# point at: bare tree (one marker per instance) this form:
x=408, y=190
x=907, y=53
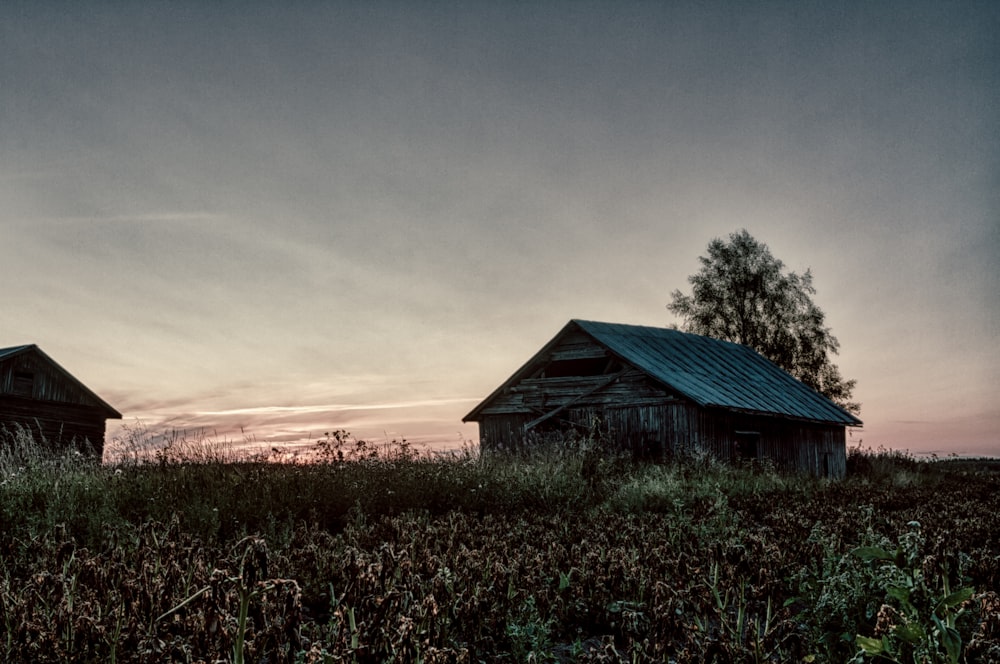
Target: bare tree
x=742, y=294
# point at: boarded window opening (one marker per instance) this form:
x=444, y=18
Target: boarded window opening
x=593, y=366
x=24, y=383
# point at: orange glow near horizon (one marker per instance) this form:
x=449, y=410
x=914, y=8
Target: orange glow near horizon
x=436, y=425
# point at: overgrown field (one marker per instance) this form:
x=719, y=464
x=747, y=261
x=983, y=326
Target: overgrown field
x=570, y=556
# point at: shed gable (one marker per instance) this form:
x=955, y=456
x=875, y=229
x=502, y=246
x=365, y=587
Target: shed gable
x=27, y=372
x=708, y=372
x=574, y=369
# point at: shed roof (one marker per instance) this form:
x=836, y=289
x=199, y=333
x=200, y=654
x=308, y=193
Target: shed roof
x=710, y=372
x=12, y=351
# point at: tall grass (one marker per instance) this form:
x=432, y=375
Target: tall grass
x=895, y=467
x=221, y=492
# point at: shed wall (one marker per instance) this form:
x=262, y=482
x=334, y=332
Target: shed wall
x=817, y=449
x=55, y=423
x=661, y=431
x=502, y=431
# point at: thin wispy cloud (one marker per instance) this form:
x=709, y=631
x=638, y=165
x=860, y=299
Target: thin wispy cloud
x=334, y=408
x=145, y=218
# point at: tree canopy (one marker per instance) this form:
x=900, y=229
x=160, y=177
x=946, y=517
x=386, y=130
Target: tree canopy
x=743, y=294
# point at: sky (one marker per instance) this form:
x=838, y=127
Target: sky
x=267, y=221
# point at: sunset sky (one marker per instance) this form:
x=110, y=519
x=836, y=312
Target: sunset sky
x=366, y=215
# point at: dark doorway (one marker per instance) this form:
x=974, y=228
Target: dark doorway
x=745, y=445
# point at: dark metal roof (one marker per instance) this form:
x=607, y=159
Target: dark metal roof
x=11, y=351
x=710, y=372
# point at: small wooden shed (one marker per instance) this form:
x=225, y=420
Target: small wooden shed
x=660, y=392
x=39, y=395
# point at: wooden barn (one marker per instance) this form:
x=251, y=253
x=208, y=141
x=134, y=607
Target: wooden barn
x=660, y=392
x=38, y=394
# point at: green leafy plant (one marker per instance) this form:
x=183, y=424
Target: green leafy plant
x=530, y=634
x=921, y=623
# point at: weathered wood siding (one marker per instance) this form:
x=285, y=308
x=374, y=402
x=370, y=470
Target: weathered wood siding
x=816, y=449
x=56, y=424
x=503, y=432
x=661, y=431
x=47, y=383
x=537, y=395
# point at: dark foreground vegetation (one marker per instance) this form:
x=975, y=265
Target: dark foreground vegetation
x=568, y=557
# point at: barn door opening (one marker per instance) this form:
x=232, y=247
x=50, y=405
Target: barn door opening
x=24, y=383
x=745, y=444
